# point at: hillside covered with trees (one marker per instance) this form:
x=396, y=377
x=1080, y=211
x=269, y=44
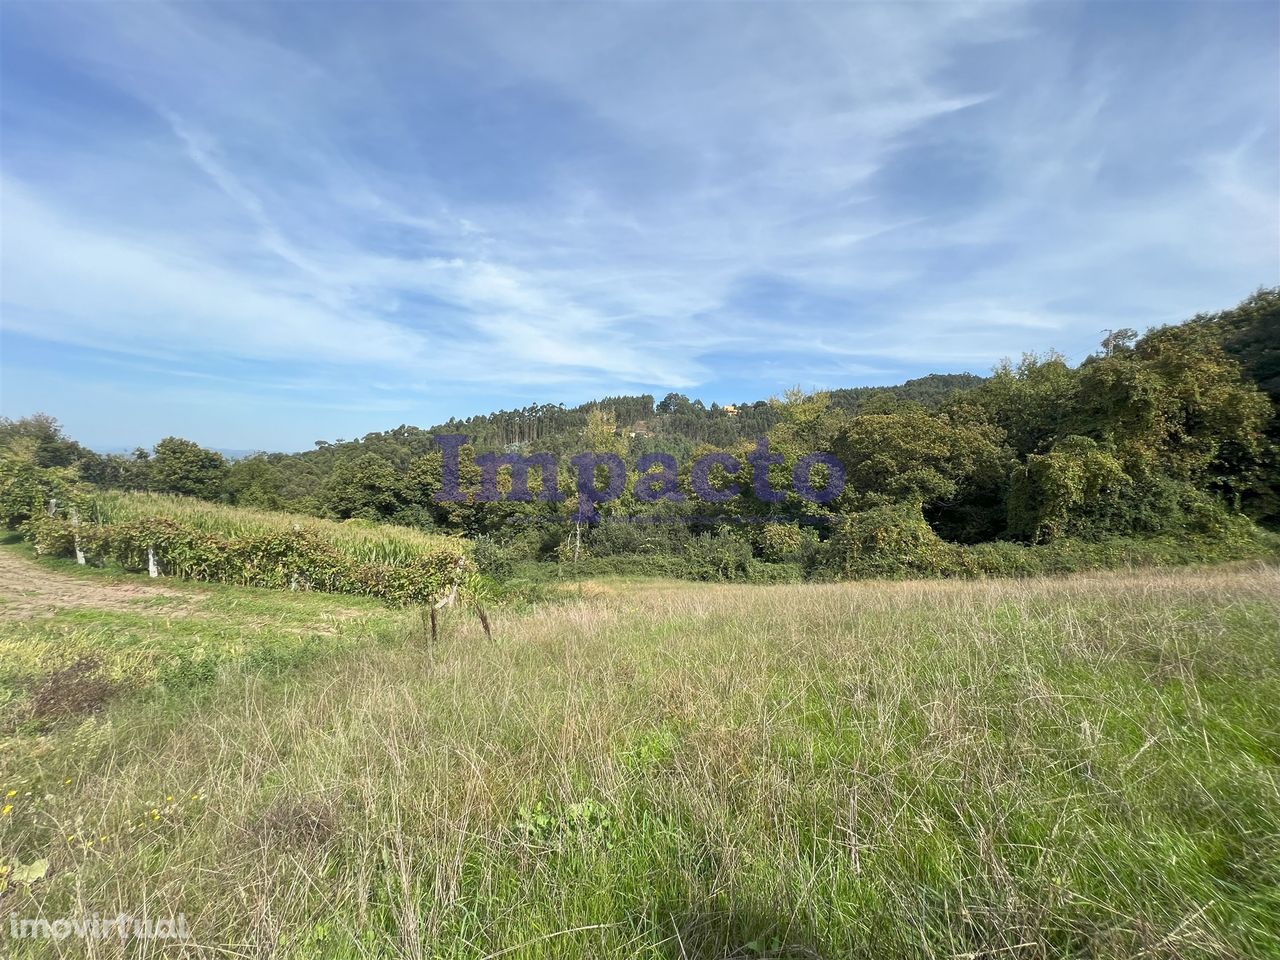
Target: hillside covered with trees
x=1160, y=446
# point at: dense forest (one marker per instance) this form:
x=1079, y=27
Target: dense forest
x=1158, y=446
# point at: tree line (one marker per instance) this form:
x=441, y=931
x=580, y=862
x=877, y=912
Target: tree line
x=1169, y=434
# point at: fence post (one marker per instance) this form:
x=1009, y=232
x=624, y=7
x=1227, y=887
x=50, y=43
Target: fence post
x=153, y=569
x=75, y=536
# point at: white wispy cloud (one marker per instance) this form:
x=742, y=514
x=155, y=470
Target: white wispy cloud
x=542, y=197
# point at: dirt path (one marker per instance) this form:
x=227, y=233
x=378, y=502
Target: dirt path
x=28, y=590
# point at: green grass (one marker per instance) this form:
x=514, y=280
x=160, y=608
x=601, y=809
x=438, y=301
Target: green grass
x=1083, y=767
x=186, y=637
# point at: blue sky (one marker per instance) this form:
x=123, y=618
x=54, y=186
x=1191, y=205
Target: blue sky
x=261, y=225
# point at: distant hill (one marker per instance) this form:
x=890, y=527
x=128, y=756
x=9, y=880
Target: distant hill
x=673, y=424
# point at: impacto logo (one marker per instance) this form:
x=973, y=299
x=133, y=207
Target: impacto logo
x=657, y=477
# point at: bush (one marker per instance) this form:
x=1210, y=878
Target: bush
x=1066, y=492
x=722, y=555
x=783, y=542
x=27, y=489
x=1240, y=541
x=615, y=537
x=672, y=567
x=634, y=565
x=498, y=558
x=893, y=540
x=762, y=571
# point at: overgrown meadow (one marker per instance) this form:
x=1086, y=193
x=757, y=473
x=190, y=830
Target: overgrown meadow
x=732, y=730
x=1073, y=767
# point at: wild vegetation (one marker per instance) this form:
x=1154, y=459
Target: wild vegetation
x=194, y=540
x=1159, y=448
x=1043, y=768
x=934, y=764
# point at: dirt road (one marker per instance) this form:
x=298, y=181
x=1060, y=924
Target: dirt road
x=28, y=590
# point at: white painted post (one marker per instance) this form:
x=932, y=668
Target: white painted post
x=152, y=569
x=75, y=522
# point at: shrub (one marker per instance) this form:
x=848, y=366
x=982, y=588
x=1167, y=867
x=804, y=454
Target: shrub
x=27, y=489
x=722, y=555
x=893, y=540
x=617, y=536
x=493, y=559
x=761, y=571
x=780, y=542
x=1061, y=492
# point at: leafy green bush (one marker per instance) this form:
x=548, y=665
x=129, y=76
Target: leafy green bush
x=494, y=559
x=714, y=563
x=722, y=555
x=893, y=540
x=638, y=565
x=1240, y=540
x=762, y=571
x=781, y=542
x=617, y=537
x=1060, y=492
x=27, y=489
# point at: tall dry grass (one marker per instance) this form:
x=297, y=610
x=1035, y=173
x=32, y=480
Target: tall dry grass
x=1085, y=767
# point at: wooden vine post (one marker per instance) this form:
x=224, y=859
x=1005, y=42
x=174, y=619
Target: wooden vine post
x=449, y=599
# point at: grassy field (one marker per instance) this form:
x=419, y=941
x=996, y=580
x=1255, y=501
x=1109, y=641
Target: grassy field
x=1080, y=767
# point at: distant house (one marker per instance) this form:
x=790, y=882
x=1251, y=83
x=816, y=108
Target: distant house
x=639, y=429
x=730, y=410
